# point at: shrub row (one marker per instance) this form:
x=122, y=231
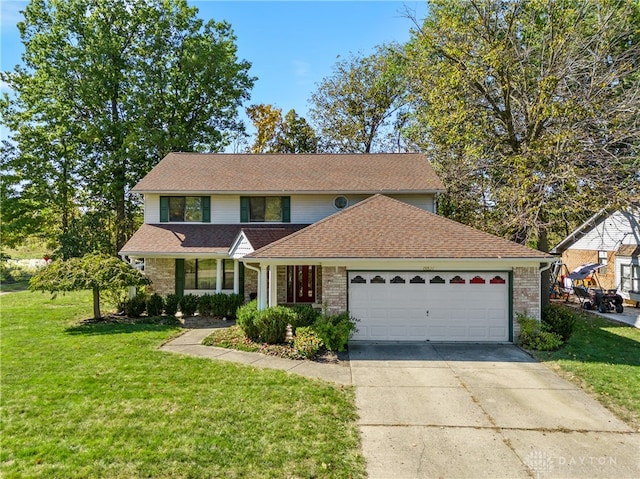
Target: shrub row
x=217, y=305
x=311, y=329
x=551, y=333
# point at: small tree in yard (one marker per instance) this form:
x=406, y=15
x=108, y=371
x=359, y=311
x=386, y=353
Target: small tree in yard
x=97, y=272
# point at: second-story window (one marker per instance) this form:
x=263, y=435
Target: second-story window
x=265, y=209
x=185, y=209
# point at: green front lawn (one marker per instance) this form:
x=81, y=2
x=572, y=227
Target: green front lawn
x=603, y=357
x=99, y=400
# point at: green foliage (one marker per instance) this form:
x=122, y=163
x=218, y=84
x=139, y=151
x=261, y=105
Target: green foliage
x=205, y=306
x=307, y=342
x=106, y=90
x=171, y=304
x=271, y=323
x=354, y=106
x=155, y=305
x=275, y=135
x=526, y=139
x=189, y=304
x=533, y=336
x=335, y=331
x=96, y=272
x=134, y=307
x=305, y=316
x=234, y=301
x=558, y=319
x=246, y=316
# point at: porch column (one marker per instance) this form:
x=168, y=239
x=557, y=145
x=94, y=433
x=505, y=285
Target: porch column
x=273, y=285
x=236, y=276
x=219, y=275
x=262, y=287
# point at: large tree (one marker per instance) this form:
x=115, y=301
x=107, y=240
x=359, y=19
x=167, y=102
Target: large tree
x=353, y=108
x=106, y=89
x=275, y=134
x=529, y=110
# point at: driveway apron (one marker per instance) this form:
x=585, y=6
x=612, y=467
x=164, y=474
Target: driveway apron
x=443, y=410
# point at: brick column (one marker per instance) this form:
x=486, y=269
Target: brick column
x=334, y=289
x=526, y=295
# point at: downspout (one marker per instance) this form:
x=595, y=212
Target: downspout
x=540, y=271
x=257, y=270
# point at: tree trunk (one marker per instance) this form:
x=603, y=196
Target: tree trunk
x=545, y=278
x=96, y=303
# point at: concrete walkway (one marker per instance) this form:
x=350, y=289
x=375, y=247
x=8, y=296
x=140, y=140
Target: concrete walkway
x=191, y=343
x=462, y=411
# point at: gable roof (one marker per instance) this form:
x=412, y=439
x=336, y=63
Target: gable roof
x=382, y=227
x=277, y=173
x=190, y=239
x=589, y=225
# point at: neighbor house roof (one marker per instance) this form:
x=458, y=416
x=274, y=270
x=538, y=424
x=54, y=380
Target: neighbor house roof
x=277, y=173
x=382, y=227
x=586, y=227
x=189, y=239
x=629, y=250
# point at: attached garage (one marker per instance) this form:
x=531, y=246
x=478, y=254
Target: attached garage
x=410, y=275
x=430, y=306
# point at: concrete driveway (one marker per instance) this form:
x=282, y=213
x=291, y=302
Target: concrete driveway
x=472, y=411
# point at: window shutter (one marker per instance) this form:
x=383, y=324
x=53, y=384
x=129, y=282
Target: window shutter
x=206, y=209
x=164, y=209
x=241, y=279
x=180, y=277
x=244, y=209
x=286, y=209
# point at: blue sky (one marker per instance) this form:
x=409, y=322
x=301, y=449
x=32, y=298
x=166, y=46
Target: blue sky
x=292, y=45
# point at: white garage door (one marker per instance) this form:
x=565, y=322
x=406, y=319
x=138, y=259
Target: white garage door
x=434, y=306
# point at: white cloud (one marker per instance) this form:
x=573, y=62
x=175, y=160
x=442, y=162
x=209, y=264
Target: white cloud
x=4, y=86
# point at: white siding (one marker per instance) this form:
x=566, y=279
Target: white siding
x=305, y=209
x=151, y=208
x=225, y=209
x=424, y=202
x=617, y=229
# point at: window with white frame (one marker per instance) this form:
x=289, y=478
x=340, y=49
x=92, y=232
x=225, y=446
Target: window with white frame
x=629, y=277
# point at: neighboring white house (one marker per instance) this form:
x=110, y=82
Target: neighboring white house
x=352, y=233
x=612, y=239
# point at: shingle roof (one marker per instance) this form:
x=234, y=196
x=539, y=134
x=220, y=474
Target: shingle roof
x=629, y=250
x=181, y=239
x=382, y=227
x=340, y=173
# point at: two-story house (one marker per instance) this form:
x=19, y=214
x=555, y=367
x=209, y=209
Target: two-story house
x=353, y=233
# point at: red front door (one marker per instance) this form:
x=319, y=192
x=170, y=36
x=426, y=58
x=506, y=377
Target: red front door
x=301, y=284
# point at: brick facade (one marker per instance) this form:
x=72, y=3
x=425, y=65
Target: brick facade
x=334, y=289
x=162, y=271
x=526, y=295
x=606, y=277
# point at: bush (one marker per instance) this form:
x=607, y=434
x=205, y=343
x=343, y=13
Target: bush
x=307, y=342
x=205, y=304
x=171, y=303
x=234, y=301
x=559, y=320
x=533, y=336
x=246, y=316
x=189, y=304
x=335, y=331
x=155, y=305
x=305, y=316
x=134, y=307
x=271, y=323
x=220, y=305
